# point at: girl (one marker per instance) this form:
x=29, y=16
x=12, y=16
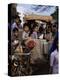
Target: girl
x=34, y=33
x=25, y=34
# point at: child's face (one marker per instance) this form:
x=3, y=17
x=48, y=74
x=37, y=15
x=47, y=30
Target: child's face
x=17, y=20
x=49, y=29
x=54, y=29
x=36, y=29
x=26, y=28
x=16, y=33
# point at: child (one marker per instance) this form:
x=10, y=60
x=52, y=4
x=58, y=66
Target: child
x=14, y=38
x=28, y=43
x=41, y=32
x=15, y=34
x=34, y=33
x=48, y=35
x=16, y=23
x=25, y=34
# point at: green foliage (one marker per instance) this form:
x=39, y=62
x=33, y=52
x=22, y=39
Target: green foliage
x=55, y=15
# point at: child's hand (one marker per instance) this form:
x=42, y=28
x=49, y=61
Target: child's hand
x=29, y=38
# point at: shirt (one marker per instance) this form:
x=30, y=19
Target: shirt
x=25, y=35
x=14, y=25
x=53, y=47
x=54, y=61
x=34, y=35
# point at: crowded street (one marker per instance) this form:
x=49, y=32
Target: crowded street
x=33, y=45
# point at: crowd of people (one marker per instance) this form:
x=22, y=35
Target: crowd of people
x=26, y=42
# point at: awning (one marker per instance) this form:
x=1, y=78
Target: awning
x=38, y=17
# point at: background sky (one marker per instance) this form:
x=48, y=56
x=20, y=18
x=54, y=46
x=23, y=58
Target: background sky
x=35, y=9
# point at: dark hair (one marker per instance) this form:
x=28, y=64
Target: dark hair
x=15, y=29
x=56, y=40
x=32, y=29
x=41, y=29
x=24, y=25
x=17, y=17
x=19, y=20
x=47, y=29
x=54, y=25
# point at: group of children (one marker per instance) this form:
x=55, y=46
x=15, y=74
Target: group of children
x=36, y=32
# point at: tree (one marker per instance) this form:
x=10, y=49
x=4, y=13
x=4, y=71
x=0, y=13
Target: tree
x=55, y=15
